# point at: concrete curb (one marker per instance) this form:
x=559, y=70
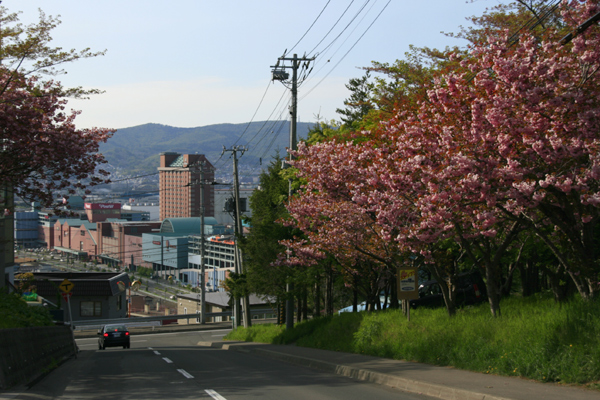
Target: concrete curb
x=407, y=385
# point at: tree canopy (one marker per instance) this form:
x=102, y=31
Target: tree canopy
x=42, y=151
x=480, y=145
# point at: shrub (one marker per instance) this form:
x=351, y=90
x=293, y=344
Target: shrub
x=15, y=313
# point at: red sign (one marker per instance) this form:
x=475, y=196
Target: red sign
x=102, y=206
x=67, y=296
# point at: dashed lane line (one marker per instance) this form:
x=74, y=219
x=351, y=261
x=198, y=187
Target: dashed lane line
x=185, y=373
x=214, y=394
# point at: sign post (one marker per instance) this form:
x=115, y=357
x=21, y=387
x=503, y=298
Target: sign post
x=67, y=290
x=408, y=287
x=67, y=287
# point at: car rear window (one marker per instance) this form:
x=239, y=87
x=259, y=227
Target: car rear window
x=115, y=328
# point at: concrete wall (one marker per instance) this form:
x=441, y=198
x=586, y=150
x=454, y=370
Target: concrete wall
x=26, y=353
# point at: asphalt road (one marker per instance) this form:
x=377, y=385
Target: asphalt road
x=172, y=366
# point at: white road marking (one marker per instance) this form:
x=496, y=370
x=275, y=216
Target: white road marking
x=214, y=394
x=184, y=373
x=167, y=360
x=156, y=352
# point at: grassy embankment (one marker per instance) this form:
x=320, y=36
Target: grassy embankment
x=535, y=338
x=15, y=313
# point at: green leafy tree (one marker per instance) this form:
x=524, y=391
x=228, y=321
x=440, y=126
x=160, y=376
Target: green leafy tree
x=261, y=246
x=360, y=102
x=27, y=51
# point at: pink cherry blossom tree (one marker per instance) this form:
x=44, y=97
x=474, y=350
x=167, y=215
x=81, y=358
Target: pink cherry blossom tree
x=512, y=141
x=41, y=150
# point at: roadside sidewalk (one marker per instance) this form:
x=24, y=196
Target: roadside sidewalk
x=440, y=382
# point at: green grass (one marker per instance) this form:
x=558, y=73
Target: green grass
x=535, y=338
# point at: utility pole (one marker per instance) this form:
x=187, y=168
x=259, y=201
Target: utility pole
x=279, y=73
x=238, y=233
x=202, y=267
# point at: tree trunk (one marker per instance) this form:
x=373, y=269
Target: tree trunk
x=394, y=291
x=494, y=290
x=449, y=294
x=506, y=286
x=448, y=290
x=304, y=304
x=530, y=278
x=329, y=292
x=317, y=298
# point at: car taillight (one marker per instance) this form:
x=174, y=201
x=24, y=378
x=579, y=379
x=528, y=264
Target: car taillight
x=126, y=333
x=105, y=334
x=476, y=288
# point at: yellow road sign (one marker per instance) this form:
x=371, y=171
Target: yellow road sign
x=66, y=286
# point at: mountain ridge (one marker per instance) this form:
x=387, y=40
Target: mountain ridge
x=135, y=150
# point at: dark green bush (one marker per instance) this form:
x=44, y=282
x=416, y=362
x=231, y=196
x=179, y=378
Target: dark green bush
x=15, y=313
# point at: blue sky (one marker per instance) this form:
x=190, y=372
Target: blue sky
x=189, y=63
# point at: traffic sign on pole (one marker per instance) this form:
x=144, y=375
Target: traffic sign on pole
x=66, y=286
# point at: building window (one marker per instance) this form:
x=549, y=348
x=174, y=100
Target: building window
x=90, y=309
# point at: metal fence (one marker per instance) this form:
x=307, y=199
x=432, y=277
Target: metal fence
x=155, y=320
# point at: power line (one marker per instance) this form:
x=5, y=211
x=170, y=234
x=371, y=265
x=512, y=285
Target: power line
x=349, y=50
x=360, y=10
x=332, y=27
x=309, y=28
x=254, y=115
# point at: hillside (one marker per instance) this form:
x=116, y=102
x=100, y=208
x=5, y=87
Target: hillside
x=136, y=149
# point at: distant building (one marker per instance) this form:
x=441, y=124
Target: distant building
x=225, y=207
x=219, y=255
x=173, y=251
x=221, y=302
x=180, y=186
x=76, y=237
x=26, y=229
x=98, y=212
x=94, y=295
x=120, y=242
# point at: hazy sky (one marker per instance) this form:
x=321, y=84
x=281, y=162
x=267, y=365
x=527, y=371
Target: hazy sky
x=189, y=63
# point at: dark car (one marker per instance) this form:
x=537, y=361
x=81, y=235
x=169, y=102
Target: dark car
x=113, y=336
x=470, y=289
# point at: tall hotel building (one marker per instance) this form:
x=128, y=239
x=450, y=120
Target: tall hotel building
x=180, y=186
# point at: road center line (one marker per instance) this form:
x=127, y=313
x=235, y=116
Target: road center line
x=214, y=394
x=167, y=360
x=157, y=352
x=184, y=373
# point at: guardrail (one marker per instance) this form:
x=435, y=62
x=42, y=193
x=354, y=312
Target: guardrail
x=148, y=321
